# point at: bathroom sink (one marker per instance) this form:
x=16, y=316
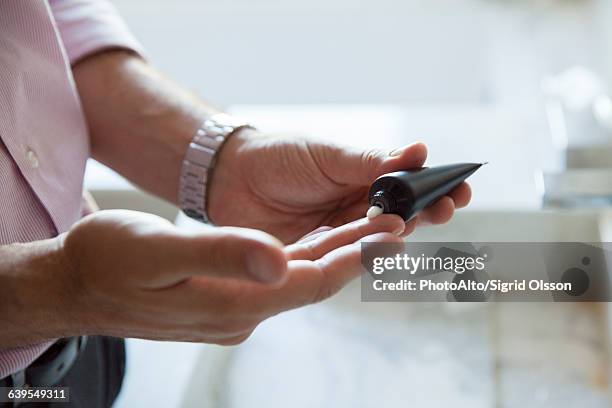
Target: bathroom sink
x=347, y=353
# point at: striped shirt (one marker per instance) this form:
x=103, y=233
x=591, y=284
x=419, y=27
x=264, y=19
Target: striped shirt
x=43, y=135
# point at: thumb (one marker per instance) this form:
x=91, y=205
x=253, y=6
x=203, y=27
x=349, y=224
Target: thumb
x=362, y=167
x=235, y=253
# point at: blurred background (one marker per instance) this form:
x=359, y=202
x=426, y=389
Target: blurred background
x=457, y=74
x=356, y=51
x=523, y=84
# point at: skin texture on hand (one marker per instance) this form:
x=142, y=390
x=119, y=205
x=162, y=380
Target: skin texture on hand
x=136, y=275
x=130, y=274
x=288, y=186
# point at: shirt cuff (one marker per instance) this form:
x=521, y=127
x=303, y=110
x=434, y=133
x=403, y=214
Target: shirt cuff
x=89, y=26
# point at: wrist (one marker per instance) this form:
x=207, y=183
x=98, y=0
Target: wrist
x=200, y=161
x=237, y=145
x=229, y=181
x=35, y=297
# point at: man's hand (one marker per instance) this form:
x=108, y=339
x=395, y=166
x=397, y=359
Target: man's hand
x=130, y=274
x=288, y=186
x=282, y=185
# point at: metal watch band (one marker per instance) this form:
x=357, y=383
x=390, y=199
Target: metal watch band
x=199, y=162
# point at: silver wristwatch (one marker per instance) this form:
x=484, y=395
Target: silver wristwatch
x=199, y=162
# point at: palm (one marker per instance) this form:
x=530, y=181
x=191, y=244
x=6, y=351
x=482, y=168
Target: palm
x=319, y=265
x=289, y=186
x=282, y=189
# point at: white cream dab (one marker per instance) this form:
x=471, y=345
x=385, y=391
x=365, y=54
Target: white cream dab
x=374, y=211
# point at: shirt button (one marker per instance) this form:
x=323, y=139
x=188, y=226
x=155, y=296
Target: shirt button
x=32, y=158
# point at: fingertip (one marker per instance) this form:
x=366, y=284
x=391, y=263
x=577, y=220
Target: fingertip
x=461, y=195
x=388, y=222
x=265, y=259
x=419, y=149
x=440, y=212
x=415, y=155
x=411, y=156
x=391, y=238
x=409, y=227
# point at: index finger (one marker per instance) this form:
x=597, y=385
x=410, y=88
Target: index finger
x=344, y=235
x=313, y=281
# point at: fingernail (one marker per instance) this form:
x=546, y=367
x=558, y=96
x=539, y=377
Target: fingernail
x=263, y=267
x=396, y=152
x=400, y=230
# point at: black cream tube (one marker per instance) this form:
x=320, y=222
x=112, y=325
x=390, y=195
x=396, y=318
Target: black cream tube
x=406, y=193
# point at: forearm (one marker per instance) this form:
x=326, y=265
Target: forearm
x=140, y=124
x=33, y=304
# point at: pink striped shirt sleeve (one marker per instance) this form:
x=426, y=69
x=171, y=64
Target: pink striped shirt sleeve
x=43, y=135
x=88, y=26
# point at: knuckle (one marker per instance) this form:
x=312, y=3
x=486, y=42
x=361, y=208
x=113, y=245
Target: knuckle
x=370, y=159
x=310, y=249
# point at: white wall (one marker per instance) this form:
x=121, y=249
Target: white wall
x=410, y=51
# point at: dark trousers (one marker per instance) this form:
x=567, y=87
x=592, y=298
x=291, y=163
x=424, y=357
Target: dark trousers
x=96, y=376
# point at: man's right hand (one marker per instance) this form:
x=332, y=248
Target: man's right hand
x=131, y=274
